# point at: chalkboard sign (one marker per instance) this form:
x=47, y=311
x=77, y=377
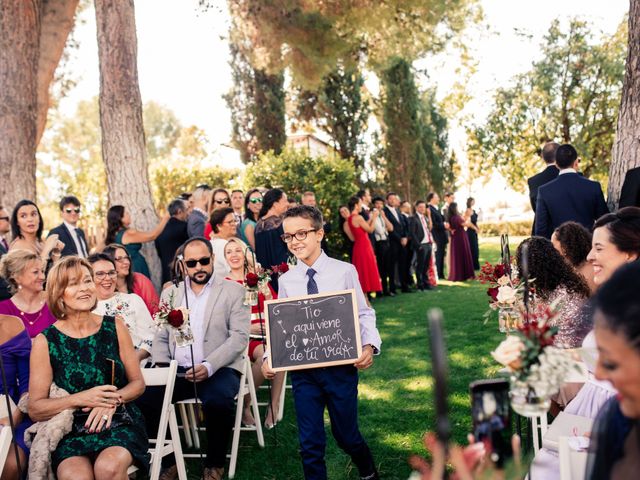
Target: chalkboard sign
x=313, y=331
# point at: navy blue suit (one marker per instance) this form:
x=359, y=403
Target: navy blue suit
x=570, y=197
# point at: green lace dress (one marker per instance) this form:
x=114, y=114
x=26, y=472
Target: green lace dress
x=80, y=364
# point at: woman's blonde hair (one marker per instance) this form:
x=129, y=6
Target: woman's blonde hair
x=14, y=263
x=58, y=280
x=248, y=254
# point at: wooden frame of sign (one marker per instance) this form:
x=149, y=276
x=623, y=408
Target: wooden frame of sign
x=299, y=336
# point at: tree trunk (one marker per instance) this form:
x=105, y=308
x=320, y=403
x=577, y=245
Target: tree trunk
x=19, y=39
x=626, y=148
x=57, y=21
x=123, y=143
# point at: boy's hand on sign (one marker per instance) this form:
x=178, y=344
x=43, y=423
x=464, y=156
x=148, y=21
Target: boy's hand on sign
x=365, y=360
x=266, y=370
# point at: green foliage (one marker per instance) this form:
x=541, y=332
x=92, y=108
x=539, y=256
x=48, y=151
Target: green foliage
x=340, y=110
x=269, y=108
x=257, y=104
x=169, y=182
x=571, y=95
x=333, y=179
x=240, y=100
x=415, y=155
x=70, y=161
x=311, y=38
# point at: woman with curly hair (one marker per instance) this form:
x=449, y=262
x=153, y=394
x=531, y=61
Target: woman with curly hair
x=556, y=282
x=573, y=241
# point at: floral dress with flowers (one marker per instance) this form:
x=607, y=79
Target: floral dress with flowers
x=79, y=364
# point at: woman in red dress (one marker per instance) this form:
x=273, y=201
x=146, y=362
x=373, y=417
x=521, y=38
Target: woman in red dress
x=235, y=253
x=461, y=261
x=363, y=257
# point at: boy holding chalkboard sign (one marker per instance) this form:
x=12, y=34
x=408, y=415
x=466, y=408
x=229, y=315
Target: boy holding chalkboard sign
x=334, y=388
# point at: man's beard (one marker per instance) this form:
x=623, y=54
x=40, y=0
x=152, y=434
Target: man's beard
x=201, y=280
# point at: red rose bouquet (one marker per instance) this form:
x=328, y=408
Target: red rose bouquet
x=176, y=318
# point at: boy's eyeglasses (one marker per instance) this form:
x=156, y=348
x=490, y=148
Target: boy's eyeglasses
x=299, y=235
x=69, y=210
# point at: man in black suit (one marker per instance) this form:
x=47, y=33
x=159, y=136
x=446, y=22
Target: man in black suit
x=75, y=242
x=438, y=231
x=549, y=173
x=570, y=197
x=630, y=194
x=173, y=235
x=422, y=243
x=398, y=240
x=5, y=229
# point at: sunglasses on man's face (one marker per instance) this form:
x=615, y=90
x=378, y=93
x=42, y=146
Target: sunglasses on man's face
x=226, y=200
x=4, y=218
x=255, y=200
x=204, y=261
x=69, y=210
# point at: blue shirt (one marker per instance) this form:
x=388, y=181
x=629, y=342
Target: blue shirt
x=332, y=275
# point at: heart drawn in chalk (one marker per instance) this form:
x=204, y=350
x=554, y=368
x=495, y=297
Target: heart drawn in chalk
x=305, y=341
x=305, y=301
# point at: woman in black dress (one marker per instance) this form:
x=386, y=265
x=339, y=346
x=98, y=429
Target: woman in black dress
x=270, y=249
x=471, y=217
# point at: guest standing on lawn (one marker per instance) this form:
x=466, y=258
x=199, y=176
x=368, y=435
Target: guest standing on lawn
x=363, y=257
x=335, y=388
x=471, y=219
x=461, y=263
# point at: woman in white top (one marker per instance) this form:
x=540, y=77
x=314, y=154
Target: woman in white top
x=225, y=227
x=128, y=306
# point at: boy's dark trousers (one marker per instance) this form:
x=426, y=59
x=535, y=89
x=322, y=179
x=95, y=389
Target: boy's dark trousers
x=335, y=388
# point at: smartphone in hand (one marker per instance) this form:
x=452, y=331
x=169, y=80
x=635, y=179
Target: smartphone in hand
x=491, y=414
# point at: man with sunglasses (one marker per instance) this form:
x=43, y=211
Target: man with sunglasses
x=220, y=324
x=334, y=388
x=75, y=242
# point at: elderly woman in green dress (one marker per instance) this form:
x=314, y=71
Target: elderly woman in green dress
x=91, y=357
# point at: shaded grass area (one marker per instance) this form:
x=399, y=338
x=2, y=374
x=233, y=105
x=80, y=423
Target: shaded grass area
x=396, y=402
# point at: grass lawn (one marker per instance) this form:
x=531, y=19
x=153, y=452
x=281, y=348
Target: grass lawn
x=396, y=402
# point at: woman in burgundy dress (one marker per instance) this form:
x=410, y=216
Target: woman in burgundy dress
x=461, y=262
x=363, y=257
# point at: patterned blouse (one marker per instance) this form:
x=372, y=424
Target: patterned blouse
x=133, y=311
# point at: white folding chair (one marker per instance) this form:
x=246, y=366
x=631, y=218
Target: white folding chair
x=539, y=427
x=5, y=444
x=246, y=387
x=161, y=446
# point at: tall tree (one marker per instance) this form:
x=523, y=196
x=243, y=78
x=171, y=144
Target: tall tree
x=437, y=172
x=123, y=143
x=403, y=148
x=626, y=151
x=339, y=109
x=570, y=95
x=241, y=102
x=269, y=105
x=32, y=38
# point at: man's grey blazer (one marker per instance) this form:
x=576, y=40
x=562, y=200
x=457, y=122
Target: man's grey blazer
x=226, y=330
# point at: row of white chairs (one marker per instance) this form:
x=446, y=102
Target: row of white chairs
x=161, y=446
